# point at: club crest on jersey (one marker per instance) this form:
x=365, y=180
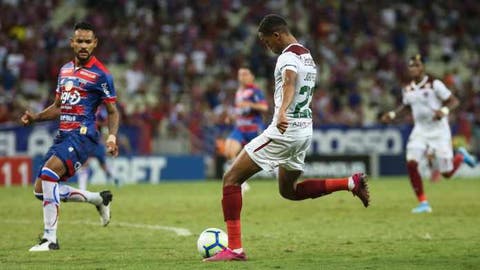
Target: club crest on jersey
x=68, y=85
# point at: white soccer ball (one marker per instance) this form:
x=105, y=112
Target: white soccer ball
x=211, y=241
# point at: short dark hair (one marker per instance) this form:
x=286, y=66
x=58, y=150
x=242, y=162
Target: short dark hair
x=273, y=23
x=84, y=26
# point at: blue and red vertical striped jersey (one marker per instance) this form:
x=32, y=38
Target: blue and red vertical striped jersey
x=81, y=91
x=249, y=120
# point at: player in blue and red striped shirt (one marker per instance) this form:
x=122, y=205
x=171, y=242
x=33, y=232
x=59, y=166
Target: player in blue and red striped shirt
x=250, y=104
x=83, y=84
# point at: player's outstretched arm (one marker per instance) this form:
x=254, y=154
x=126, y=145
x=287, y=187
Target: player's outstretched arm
x=388, y=117
x=113, y=122
x=50, y=113
x=288, y=86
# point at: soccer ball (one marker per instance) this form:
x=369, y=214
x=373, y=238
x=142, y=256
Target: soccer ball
x=211, y=241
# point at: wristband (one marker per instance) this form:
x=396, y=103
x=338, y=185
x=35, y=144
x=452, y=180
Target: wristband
x=392, y=114
x=112, y=138
x=445, y=110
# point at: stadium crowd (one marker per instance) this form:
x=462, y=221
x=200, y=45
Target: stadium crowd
x=175, y=62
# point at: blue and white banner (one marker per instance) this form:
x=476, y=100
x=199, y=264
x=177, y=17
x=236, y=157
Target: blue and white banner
x=35, y=140
x=141, y=169
x=382, y=140
x=155, y=169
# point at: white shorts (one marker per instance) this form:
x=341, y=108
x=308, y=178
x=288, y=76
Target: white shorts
x=269, y=153
x=440, y=147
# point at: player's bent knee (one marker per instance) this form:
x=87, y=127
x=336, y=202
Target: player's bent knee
x=229, y=179
x=289, y=194
x=49, y=175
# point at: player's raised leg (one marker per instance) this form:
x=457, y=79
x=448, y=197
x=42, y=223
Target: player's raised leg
x=449, y=166
x=314, y=188
x=242, y=169
x=101, y=200
x=462, y=156
x=468, y=158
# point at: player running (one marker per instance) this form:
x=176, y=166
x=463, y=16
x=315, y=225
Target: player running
x=83, y=84
x=250, y=103
x=429, y=101
x=284, y=143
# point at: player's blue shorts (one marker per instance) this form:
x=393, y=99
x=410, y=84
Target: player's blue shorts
x=243, y=137
x=73, y=149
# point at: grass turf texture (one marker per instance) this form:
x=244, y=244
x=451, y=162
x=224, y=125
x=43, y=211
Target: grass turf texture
x=333, y=232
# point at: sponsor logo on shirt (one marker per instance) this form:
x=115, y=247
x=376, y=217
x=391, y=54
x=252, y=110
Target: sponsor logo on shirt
x=71, y=98
x=88, y=74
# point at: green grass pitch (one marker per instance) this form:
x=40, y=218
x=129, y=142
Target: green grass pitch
x=332, y=232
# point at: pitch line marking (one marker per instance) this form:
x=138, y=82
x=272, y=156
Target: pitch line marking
x=176, y=230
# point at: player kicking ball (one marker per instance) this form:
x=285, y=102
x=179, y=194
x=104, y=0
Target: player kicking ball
x=429, y=101
x=283, y=145
x=83, y=84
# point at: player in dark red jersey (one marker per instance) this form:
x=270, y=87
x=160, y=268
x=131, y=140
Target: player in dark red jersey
x=83, y=84
x=429, y=101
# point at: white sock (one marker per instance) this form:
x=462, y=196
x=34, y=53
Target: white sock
x=71, y=194
x=51, y=205
x=82, y=175
x=351, y=183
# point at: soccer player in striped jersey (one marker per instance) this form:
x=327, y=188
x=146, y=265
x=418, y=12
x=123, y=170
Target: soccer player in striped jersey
x=83, y=84
x=250, y=103
x=284, y=144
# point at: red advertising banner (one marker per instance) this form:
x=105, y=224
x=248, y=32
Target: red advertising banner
x=15, y=171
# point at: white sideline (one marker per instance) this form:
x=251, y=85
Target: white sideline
x=176, y=230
